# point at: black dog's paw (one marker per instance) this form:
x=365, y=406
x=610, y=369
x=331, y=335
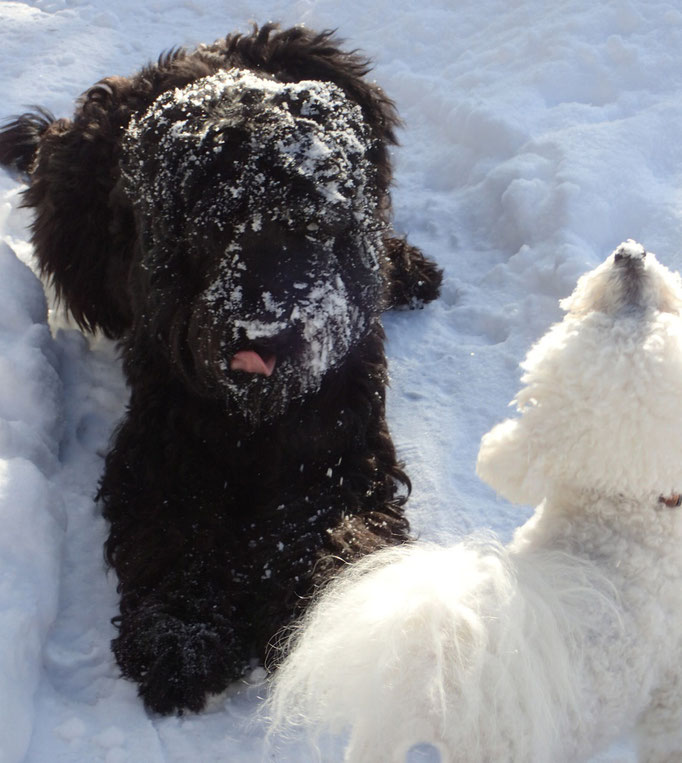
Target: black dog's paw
x=413, y=279
x=177, y=664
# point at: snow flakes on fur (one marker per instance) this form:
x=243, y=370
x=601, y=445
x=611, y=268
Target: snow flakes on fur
x=302, y=146
x=279, y=175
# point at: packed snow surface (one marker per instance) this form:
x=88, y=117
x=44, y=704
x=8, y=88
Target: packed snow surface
x=538, y=136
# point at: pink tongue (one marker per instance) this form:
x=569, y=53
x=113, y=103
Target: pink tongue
x=252, y=363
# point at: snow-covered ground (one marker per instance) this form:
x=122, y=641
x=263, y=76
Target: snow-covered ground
x=538, y=136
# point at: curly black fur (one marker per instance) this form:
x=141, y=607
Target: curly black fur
x=21, y=137
x=202, y=225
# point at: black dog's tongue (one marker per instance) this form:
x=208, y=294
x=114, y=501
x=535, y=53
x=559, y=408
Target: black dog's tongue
x=253, y=363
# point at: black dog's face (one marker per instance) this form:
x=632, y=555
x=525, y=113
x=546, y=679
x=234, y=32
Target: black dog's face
x=259, y=234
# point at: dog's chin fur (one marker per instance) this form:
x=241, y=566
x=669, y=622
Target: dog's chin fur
x=545, y=649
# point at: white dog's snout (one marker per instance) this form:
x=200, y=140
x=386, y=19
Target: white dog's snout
x=629, y=252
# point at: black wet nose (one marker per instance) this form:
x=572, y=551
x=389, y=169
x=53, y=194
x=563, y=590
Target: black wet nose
x=630, y=254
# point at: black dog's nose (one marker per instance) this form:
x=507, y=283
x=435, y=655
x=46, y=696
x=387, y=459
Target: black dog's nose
x=630, y=253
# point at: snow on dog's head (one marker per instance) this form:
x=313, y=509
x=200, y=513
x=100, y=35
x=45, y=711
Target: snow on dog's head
x=266, y=197
x=601, y=405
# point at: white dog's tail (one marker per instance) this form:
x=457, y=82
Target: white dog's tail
x=470, y=648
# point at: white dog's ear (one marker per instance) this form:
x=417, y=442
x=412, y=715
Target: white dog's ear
x=507, y=461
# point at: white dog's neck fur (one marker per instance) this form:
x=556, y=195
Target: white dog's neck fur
x=584, y=523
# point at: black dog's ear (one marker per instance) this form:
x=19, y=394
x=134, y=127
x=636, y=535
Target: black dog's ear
x=20, y=138
x=82, y=227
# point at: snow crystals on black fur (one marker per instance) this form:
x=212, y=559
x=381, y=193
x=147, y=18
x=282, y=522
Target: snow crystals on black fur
x=253, y=163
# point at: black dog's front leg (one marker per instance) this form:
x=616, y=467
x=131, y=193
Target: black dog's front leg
x=169, y=543
x=179, y=642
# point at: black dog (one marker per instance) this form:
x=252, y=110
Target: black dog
x=225, y=214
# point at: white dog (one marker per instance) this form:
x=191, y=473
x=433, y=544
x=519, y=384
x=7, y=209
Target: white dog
x=544, y=650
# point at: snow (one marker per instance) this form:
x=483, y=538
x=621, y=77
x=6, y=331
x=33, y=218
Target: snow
x=538, y=136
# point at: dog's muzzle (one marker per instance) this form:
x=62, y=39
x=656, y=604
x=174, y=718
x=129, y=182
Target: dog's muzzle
x=629, y=267
x=630, y=255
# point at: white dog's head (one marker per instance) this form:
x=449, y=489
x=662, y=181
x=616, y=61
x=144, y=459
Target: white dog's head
x=602, y=398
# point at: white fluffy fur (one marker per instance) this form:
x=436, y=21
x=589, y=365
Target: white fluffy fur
x=542, y=651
